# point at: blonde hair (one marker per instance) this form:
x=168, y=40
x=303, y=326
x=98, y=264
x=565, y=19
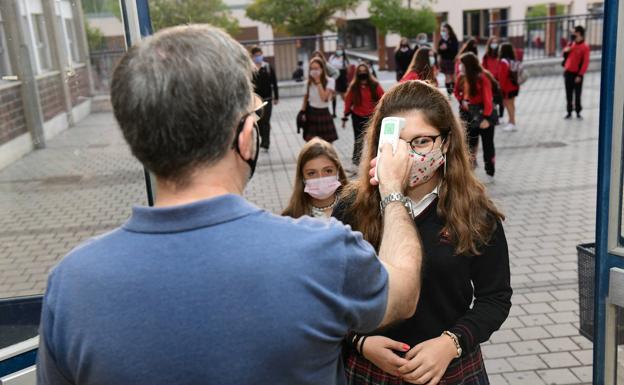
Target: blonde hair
x=300, y=202
x=469, y=216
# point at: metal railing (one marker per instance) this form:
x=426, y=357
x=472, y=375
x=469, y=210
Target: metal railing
x=545, y=37
x=285, y=53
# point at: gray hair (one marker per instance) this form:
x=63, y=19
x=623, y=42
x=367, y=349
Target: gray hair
x=178, y=96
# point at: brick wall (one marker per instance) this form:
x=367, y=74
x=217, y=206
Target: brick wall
x=79, y=86
x=12, y=120
x=51, y=95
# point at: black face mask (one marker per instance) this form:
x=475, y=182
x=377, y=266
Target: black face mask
x=252, y=161
x=362, y=77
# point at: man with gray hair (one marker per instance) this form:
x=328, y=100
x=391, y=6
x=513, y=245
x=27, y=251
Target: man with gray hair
x=206, y=288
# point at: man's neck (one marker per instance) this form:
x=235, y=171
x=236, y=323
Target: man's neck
x=203, y=184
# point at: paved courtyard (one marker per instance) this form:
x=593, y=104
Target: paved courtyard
x=85, y=182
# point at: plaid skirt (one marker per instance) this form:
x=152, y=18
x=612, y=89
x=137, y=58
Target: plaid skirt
x=447, y=66
x=319, y=122
x=467, y=370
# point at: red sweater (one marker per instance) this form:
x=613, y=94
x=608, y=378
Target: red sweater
x=412, y=75
x=491, y=64
x=578, y=59
x=504, y=77
x=483, y=97
x=367, y=104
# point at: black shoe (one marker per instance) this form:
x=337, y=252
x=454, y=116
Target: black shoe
x=334, y=116
x=578, y=116
x=568, y=116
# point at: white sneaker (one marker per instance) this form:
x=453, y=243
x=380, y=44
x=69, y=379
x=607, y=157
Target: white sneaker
x=510, y=127
x=489, y=179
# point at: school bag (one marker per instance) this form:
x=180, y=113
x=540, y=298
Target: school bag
x=517, y=73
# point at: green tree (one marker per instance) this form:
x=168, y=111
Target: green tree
x=390, y=16
x=167, y=13
x=541, y=10
x=299, y=17
x=102, y=7
x=95, y=38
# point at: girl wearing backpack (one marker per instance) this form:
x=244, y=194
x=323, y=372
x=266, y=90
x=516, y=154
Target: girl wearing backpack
x=476, y=100
x=508, y=79
x=490, y=62
x=362, y=96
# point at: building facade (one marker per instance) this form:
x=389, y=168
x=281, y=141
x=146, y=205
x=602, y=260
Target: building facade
x=45, y=78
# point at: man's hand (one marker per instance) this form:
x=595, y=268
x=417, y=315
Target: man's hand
x=381, y=351
x=394, y=168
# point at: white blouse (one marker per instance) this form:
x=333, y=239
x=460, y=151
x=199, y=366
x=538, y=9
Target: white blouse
x=314, y=97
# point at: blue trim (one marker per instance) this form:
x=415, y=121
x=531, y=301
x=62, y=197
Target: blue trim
x=17, y=363
x=603, y=260
x=145, y=28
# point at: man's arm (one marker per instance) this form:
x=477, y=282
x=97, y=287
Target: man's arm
x=400, y=250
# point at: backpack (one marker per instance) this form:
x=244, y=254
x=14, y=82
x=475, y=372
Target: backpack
x=517, y=73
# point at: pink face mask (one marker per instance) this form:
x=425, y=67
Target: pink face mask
x=322, y=188
x=425, y=166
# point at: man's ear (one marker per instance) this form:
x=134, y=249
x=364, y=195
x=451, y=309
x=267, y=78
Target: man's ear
x=246, y=139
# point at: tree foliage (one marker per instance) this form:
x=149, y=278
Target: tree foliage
x=102, y=7
x=299, y=17
x=390, y=16
x=168, y=13
x=541, y=10
x=95, y=38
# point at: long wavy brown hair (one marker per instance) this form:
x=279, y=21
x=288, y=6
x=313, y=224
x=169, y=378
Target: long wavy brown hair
x=472, y=75
x=469, y=216
x=354, y=86
x=420, y=64
x=299, y=204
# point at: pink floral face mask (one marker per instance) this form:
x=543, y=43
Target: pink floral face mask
x=425, y=166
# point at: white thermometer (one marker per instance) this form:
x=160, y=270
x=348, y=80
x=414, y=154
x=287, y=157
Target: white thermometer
x=390, y=131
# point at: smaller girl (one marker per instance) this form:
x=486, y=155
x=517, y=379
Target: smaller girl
x=402, y=57
x=362, y=96
x=319, y=91
x=422, y=67
x=490, y=62
x=318, y=181
x=475, y=96
x=447, y=48
x=508, y=82
x=340, y=61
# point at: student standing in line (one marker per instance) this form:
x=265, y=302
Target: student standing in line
x=422, y=67
x=319, y=91
x=265, y=86
x=448, y=46
x=508, y=80
x=490, y=62
x=470, y=45
x=464, y=245
x=576, y=62
x=340, y=61
x=362, y=96
x=474, y=94
x=402, y=58
x=318, y=181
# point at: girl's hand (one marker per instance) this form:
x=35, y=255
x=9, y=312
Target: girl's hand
x=484, y=124
x=381, y=351
x=428, y=361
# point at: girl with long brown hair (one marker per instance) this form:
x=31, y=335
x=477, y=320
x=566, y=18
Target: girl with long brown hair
x=319, y=91
x=422, y=67
x=464, y=248
x=362, y=96
x=447, y=48
x=318, y=180
x=475, y=94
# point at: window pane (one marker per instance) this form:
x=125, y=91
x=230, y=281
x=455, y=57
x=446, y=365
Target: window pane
x=5, y=65
x=71, y=40
x=41, y=42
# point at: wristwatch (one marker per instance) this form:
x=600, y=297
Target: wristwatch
x=396, y=197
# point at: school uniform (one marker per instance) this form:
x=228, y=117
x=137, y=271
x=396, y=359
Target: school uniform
x=473, y=110
x=265, y=85
x=360, y=114
x=575, y=65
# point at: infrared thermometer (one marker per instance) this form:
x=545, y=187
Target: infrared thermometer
x=390, y=131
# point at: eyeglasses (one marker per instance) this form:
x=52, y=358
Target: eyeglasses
x=424, y=144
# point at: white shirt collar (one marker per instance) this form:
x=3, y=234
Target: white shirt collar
x=418, y=208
